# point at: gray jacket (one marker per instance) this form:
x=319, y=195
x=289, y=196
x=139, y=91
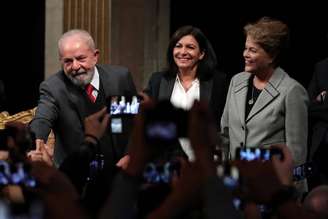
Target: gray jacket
x=280, y=115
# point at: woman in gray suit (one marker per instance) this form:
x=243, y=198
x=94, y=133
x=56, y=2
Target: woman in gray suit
x=264, y=105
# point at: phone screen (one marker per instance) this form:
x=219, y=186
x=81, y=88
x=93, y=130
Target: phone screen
x=122, y=109
x=162, y=130
x=156, y=173
x=229, y=175
x=116, y=125
x=303, y=171
x=124, y=105
x=15, y=174
x=250, y=154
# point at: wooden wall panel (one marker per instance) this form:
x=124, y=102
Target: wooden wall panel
x=93, y=16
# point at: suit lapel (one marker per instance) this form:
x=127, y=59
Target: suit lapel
x=269, y=93
x=167, y=85
x=105, y=80
x=240, y=90
x=166, y=88
x=205, y=90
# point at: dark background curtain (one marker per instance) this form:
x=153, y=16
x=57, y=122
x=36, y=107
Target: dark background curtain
x=23, y=30
x=223, y=22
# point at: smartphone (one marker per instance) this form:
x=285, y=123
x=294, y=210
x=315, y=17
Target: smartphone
x=116, y=125
x=229, y=175
x=15, y=174
x=123, y=105
x=250, y=154
x=160, y=172
x=122, y=108
x=165, y=123
x=303, y=171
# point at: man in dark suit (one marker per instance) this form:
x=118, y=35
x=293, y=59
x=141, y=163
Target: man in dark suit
x=318, y=113
x=64, y=102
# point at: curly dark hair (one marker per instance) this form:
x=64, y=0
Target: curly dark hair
x=271, y=34
x=206, y=66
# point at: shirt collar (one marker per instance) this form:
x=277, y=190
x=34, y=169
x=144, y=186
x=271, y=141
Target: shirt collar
x=95, y=79
x=177, y=80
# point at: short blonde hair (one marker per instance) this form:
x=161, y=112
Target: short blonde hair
x=271, y=34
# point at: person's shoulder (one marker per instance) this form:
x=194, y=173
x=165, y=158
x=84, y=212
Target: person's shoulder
x=241, y=76
x=117, y=69
x=158, y=74
x=321, y=67
x=292, y=84
x=323, y=62
x=56, y=78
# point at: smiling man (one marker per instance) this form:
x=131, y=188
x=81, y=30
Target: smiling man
x=75, y=92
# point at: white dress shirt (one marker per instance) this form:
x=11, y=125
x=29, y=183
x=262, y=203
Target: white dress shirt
x=95, y=83
x=181, y=98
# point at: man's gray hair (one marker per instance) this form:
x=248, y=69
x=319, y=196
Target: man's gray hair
x=82, y=34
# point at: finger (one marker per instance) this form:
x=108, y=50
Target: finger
x=103, y=111
x=98, y=115
x=29, y=154
x=147, y=104
x=105, y=120
x=44, y=151
x=275, y=160
x=183, y=164
x=35, y=156
x=123, y=162
x=39, y=144
x=285, y=151
x=144, y=97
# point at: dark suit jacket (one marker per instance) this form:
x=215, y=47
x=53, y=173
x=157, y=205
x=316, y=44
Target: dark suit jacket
x=318, y=112
x=212, y=90
x=62, y=108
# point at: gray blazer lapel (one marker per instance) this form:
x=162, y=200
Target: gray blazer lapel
x=165, y=88
x=269, y=93
x=205, y=90
x=240, y=91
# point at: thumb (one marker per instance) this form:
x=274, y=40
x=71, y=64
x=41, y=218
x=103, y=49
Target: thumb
x=39, y=143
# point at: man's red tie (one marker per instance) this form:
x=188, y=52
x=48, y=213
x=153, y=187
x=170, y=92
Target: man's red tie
x=89, y=88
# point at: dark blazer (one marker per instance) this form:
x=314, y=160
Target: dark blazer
x=212, y=90
x=62, y=107
x=318, y=111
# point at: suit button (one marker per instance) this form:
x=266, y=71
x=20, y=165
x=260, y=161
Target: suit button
x=241, y=144
x=242, y=127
